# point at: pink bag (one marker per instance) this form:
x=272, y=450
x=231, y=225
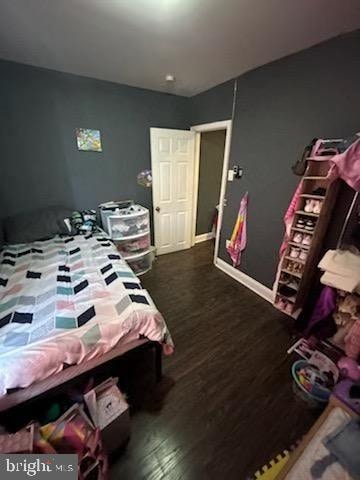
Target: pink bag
x=73, y=432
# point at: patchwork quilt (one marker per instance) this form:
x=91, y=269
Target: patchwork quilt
x=66, y=300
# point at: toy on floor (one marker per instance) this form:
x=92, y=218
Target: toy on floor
x=349, y=368
x=314, y=383
x=349, y=393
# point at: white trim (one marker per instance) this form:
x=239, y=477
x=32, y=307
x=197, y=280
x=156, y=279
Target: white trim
x=195, y=192
x=210, y=127
x=203, y=237
x=249, y=282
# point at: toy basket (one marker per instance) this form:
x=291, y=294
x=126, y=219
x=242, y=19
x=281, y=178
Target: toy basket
x=312, y=392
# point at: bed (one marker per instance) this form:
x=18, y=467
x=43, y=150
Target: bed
x=70, y=300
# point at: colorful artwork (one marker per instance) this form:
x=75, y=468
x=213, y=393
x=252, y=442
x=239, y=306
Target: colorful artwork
x=144, y=178
x=88, y=140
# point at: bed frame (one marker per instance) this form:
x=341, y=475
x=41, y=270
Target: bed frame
x=59, y=382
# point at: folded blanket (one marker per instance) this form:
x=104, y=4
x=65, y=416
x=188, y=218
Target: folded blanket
x=342, y=270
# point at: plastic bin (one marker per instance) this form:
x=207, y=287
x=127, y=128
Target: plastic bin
x=141, y=264
x=130, y=227
x=134, y=247
x=314, y=395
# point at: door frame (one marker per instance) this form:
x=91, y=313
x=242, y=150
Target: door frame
x=198, y=129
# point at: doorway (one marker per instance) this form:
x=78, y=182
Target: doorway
x=212, y=146
x=176, y=170
x=212, y=151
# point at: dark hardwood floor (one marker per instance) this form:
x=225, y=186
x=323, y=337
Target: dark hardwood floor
x=225, y=405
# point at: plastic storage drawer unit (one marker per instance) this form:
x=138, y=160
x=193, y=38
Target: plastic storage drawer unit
x=134, y=247
x=129, y=227
x=140, y=264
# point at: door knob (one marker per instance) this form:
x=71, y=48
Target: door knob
x=157, y=209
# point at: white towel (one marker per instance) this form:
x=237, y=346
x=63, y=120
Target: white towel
x=342, y=270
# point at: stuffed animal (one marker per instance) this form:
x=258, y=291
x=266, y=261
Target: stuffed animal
x=349, y=368
x=352, y=341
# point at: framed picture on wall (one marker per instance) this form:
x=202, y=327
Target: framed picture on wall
x=88, y=140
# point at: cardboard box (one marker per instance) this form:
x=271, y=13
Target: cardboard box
x=20, y=442
x=109, y=411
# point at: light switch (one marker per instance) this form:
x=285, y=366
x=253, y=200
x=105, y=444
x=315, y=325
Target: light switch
x=230, y=175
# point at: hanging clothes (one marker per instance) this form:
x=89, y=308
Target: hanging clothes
x=321, y=320
x=346, y=165
x=238, y=237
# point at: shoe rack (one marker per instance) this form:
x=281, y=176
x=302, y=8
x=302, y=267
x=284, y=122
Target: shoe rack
x=308, y=230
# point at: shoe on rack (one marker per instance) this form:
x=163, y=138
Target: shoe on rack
x=286, y=291
x=317, y=207
x=303, y=255
x=319, y=191
x=300, y=223
x=306, y=240
x=309, y=206
x=297, y=267
x=294, y=252
x=289, y=308
x=281, y=304
x=309, y=225
x=298, y=238
x=294, y=284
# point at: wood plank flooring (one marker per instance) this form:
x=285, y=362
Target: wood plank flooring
x=225, y=405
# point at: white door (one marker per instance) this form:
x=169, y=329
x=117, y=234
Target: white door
x=172, y=160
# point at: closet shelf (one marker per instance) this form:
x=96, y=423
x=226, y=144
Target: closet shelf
x=310, y=195
x=282, y=282
x=314, y=177
x=302, y=230
x=289, y=272
x=308, y=214
x=297, y=260
x=299, y=245
x=289, y=299
x=305, y=264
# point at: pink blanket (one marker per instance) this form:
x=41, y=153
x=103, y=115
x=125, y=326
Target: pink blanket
x=65, y=301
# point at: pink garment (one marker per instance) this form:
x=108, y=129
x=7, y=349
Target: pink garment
x=352, y=341
x=238, y=237
x=289, y=217
x=346, y=165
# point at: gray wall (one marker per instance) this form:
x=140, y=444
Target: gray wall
x=210, y=169
x=280, y=107
x=213, y=105
x=40, y=163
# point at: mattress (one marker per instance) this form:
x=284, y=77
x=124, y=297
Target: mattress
x=66, y=300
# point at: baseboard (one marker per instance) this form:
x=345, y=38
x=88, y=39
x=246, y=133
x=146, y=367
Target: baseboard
x=247, y=281
x=204, y=236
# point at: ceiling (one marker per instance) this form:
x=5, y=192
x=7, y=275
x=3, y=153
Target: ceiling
x=137, y=42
